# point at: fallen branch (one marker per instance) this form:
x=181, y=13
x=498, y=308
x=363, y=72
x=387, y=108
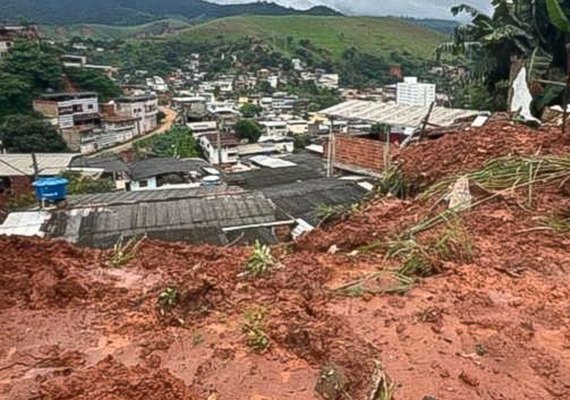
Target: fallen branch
x=382, y=388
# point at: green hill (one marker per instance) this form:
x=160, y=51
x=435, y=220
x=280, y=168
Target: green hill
x=95, y=31
x=377, y=36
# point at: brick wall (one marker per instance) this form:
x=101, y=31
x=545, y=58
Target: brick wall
x=358, y=152
x=19, y=185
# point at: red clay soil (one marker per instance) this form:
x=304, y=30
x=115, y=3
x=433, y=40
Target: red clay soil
x=428, y=161
x=496, y=326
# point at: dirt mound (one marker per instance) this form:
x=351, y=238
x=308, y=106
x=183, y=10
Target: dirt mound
x=112, y=380
x=42, y=276
x=425, y=162
x=481, y=310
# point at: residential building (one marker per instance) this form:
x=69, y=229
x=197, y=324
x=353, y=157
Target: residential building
x=191, y=108
x=69, y=110
x=204, y=127
x=216, y=215
x=17, y=172
x=74, y=114
x=9, y=34
x=412, y=93
x=222, y=148
x=163, y=173
x=274, y=128
x=144, y=108
x=114, y=129
x=106, y=166
x=298, y=126
x=328, y=81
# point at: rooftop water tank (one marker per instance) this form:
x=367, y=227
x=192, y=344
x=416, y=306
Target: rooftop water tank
x=51, y=189
x=211, y=180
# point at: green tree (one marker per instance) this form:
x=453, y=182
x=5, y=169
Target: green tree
x=177, y=142
x=15, y=94
x=520, y=29
x=94, y=81
x=82, y=184
x=250, y=110
x=29, y=134
x=248, y=129
x=35, y=64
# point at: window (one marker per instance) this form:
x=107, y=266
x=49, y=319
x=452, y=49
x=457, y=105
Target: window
x=5, y=185
x=90, y=106
x=77, y=108
x=143, y=184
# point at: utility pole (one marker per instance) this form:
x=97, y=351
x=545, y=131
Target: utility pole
x=219, y=139
x=330, y=150
x=566, y=89
x=35, y=166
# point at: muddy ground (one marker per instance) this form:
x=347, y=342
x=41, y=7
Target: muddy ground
x=492, y=324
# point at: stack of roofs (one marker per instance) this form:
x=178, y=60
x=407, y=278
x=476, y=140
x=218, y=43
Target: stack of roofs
x=266, y=204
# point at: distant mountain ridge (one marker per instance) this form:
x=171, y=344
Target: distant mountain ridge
x=135, y=12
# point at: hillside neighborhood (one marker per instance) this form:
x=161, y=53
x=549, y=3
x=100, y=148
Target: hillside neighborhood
x=211, y=201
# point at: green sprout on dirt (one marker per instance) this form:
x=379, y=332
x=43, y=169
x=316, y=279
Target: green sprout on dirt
x=260, y=261
x=558, y=223
x=393, y=182
x=423, y=258
x=326, y=213
x=124, y=252
x=254, y=330
x=168, y=299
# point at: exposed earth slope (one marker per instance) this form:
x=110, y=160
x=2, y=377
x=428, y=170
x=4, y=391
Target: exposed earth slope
x=485, y=317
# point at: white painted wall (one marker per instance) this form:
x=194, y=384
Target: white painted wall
x=145, y=184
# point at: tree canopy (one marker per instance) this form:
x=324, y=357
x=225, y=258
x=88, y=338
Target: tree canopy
x=28, y=134
x=28, y=70
x=94, y=81
x=248, y=129
x=529, y=30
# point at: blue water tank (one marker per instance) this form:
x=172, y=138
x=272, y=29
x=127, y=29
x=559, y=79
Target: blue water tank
x=51, y=189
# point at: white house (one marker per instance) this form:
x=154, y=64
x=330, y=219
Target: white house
x=298, y=126
x=143, y=108
x=412, y=93
x=328, y=81
x=222, y=149
x=274, y=128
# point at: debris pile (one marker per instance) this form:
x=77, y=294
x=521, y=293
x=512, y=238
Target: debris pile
x=417, y=300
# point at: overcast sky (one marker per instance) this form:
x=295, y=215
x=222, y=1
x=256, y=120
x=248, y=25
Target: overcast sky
x=415, y=8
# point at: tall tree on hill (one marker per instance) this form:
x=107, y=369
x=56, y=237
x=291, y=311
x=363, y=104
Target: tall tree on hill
x=35, y=64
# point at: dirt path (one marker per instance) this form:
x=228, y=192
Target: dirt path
x=164, y=126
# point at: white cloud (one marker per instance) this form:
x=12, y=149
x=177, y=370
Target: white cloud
x=414, y=8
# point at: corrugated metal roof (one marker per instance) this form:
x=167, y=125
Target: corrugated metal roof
x=27, y=223
x=160, y=166
x=23, y=165
x=118, y=198
x=396, y=115
x=194, y=216
x=302, y=200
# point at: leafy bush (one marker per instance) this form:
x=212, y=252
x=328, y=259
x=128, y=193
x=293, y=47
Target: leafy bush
x=177, y=142
x=260, y=261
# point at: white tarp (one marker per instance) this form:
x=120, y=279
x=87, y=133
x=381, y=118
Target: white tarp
x=522, y=98
x=27, y=223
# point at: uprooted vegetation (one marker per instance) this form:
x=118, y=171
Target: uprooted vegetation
x=417, y=300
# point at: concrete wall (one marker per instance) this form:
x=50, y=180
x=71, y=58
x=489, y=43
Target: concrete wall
x=139, y=185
